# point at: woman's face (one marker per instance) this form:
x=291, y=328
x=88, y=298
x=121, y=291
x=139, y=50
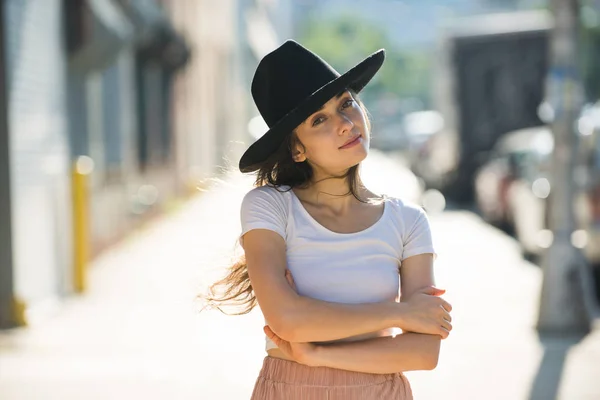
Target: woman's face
x=335, y=137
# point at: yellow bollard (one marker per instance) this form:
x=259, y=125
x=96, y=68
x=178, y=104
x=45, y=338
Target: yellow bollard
x=82, y=168
x=19, y=312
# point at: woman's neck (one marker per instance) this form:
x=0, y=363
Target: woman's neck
x=331, y=193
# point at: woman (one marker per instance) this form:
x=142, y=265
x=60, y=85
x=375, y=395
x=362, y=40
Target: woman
x=325, y=258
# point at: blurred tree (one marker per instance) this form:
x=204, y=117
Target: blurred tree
x=591, y=64
x=590, y=47
x=506, y=4
x=590, y=50
x=348, y=38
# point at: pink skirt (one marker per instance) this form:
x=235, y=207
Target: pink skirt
x=287, y=380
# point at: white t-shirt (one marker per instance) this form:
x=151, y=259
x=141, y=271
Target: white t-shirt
x=361, y=267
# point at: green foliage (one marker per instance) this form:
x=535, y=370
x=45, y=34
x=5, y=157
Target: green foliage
x=590, y=62
x=348, y=38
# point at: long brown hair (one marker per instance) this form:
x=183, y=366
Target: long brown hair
x=235, y=289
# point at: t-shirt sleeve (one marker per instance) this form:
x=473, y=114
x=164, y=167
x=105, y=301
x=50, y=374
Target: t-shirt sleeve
x=263, y=208
x=417, y=238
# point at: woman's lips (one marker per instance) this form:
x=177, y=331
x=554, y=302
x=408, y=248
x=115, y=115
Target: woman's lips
x=352, y=143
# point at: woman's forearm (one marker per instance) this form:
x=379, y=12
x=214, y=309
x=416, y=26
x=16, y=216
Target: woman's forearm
x=404, y=352
x=305, y=319
x=310, y=320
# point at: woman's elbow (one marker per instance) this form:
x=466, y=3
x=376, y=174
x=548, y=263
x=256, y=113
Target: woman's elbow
x=425, y=361
x=433, y=355
x=285, y=325
x=426, y=353
x=432, y=361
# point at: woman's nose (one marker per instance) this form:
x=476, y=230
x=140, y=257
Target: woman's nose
x=346, y=124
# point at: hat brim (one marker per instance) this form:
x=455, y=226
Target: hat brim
x=355, y=79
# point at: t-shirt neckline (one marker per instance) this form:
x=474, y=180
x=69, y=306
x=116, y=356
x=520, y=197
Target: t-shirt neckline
x=329, y=231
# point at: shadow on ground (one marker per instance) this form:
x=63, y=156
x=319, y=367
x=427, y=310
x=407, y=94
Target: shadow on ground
x=546, y=384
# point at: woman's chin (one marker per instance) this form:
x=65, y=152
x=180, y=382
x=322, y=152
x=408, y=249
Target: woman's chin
x=360, y=154
x=355, y=161
x=348, y=161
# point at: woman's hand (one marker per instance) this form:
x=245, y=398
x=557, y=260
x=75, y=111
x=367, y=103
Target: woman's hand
x=299, y=352
x=428, y=313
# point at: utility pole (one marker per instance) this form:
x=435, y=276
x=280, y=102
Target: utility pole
x=562, y=307
x=7, y=319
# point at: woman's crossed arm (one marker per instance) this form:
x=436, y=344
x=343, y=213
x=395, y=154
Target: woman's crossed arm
x=297, y=318
x=405, y=352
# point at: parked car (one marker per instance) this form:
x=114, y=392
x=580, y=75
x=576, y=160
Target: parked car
x=419, y=126
x=589, y=127
x=425, y=151
x=507, y=162
x=527, y=194
x=389, y=136
x=514, y=185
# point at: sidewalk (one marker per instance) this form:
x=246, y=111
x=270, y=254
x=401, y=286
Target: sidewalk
x=494, y=351
x=137, y=332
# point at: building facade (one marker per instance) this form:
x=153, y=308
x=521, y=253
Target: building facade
x=38, y=153
x=151, y=96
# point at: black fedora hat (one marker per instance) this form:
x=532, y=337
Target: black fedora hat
x=290, y=84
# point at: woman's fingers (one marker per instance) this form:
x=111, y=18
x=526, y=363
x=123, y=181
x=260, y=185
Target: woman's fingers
x=432, y=291
x=290, y=279
x=271, y=335
x=444, y=333
x=447, y=326
x=446, y=315
x=446, y=306
x=268, y=331
x=282, y=344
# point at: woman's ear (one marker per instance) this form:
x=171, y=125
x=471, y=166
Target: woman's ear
x=298, y=155
x=297, y=149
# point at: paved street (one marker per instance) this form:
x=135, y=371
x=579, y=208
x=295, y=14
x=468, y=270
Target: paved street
x=137, y=333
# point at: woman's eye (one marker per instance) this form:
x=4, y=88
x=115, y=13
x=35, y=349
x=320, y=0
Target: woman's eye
x=348, y=103
x=318, y=120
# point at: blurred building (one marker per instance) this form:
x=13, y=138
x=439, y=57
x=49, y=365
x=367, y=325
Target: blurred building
x=38, y=225
x=123, y=61
x=153, y=93
x=208, y=112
